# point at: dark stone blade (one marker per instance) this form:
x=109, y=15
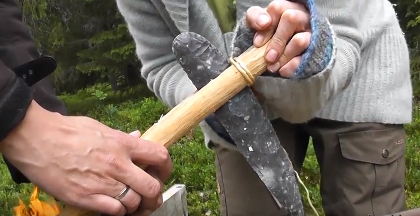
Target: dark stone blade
x=244, y=120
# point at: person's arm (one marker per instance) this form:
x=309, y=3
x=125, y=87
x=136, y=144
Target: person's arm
x=15, y=97
x=161, y=69
x=153, y=39
x=17, y=48
x=327, y=66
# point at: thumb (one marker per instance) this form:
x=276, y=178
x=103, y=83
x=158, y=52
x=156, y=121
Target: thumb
x=136, y=134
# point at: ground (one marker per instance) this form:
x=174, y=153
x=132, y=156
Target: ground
x=193, y=162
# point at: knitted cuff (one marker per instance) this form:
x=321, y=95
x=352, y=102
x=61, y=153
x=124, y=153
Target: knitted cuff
x=316, y=57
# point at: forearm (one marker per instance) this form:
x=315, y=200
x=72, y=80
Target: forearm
x=16, y=48
x=153, y=39
x=169, y=82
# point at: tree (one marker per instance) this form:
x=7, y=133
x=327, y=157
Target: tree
x=88, y=38
x=408, y=12
x=91, y=43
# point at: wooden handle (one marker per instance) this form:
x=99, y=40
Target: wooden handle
x=190, y=112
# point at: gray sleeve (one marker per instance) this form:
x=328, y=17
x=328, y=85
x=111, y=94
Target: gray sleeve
x=153, y=39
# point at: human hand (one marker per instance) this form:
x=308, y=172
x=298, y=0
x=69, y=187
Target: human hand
x=288, y=25
x=149, y=205
x=86, y=164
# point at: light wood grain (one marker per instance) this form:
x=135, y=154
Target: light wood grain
x=189, y=113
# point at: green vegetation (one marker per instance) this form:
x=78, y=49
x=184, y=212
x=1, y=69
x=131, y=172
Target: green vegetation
x=193, y=162
x=97, y=75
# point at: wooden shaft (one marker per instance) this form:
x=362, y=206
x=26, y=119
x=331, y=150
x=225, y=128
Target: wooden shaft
x=190, y=112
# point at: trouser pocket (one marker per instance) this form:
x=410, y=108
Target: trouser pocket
x=373, y=171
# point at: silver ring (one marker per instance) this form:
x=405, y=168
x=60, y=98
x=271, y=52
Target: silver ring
x=122, y=193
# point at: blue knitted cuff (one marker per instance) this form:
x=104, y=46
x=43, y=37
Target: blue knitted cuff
x=316, y=57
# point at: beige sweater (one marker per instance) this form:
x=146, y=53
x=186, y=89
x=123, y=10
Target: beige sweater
x=367, y=78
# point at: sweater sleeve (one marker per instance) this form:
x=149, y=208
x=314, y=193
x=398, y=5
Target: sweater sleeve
x=153, y=38
x=327, y=66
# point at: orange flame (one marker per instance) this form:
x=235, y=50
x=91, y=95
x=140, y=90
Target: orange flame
x=37, y=207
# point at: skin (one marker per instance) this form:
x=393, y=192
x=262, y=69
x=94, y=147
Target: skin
x=84, y=163
x=288, y=25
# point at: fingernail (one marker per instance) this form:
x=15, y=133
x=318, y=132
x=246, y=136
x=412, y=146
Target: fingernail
x=272, y=55
x=263, y=20
x=274, y=67
x=258, y=40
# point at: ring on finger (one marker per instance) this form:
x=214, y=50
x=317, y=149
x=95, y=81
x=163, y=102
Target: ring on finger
x=122, y=193
x=129, y=198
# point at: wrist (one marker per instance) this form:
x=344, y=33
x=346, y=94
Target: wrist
x=13, y=105
x=34, y=123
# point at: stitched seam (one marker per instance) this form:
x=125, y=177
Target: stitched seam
x=374, y=188
x=222, y=179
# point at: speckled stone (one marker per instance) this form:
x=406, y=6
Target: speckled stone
x=244, y=120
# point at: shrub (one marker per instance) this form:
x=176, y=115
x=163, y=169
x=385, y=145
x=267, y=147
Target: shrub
x=193, y=163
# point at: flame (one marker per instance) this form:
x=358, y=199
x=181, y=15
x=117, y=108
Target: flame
x=37, y=207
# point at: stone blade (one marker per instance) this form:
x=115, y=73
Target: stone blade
x=243, y=118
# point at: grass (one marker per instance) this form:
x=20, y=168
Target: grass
x=193, y=163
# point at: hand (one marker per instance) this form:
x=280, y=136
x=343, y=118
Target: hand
x=288, y=25
x=149, y=205
x=84, y=163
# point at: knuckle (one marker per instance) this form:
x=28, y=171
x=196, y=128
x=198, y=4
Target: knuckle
x=301, y=40
x=114, y=162
x=273, y=5
x=295, y=63
x=163, y=154
x=159, y=202
x=277, y=6
x=277, y=41
x=290, y=15
x=123, y=139
x=153, y=188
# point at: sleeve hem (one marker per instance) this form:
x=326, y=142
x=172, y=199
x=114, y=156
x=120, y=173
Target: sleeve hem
x=13, y=107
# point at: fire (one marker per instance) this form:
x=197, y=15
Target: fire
x=37, y=207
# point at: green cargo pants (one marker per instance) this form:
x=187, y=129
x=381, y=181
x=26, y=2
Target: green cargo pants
x=361, y=165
